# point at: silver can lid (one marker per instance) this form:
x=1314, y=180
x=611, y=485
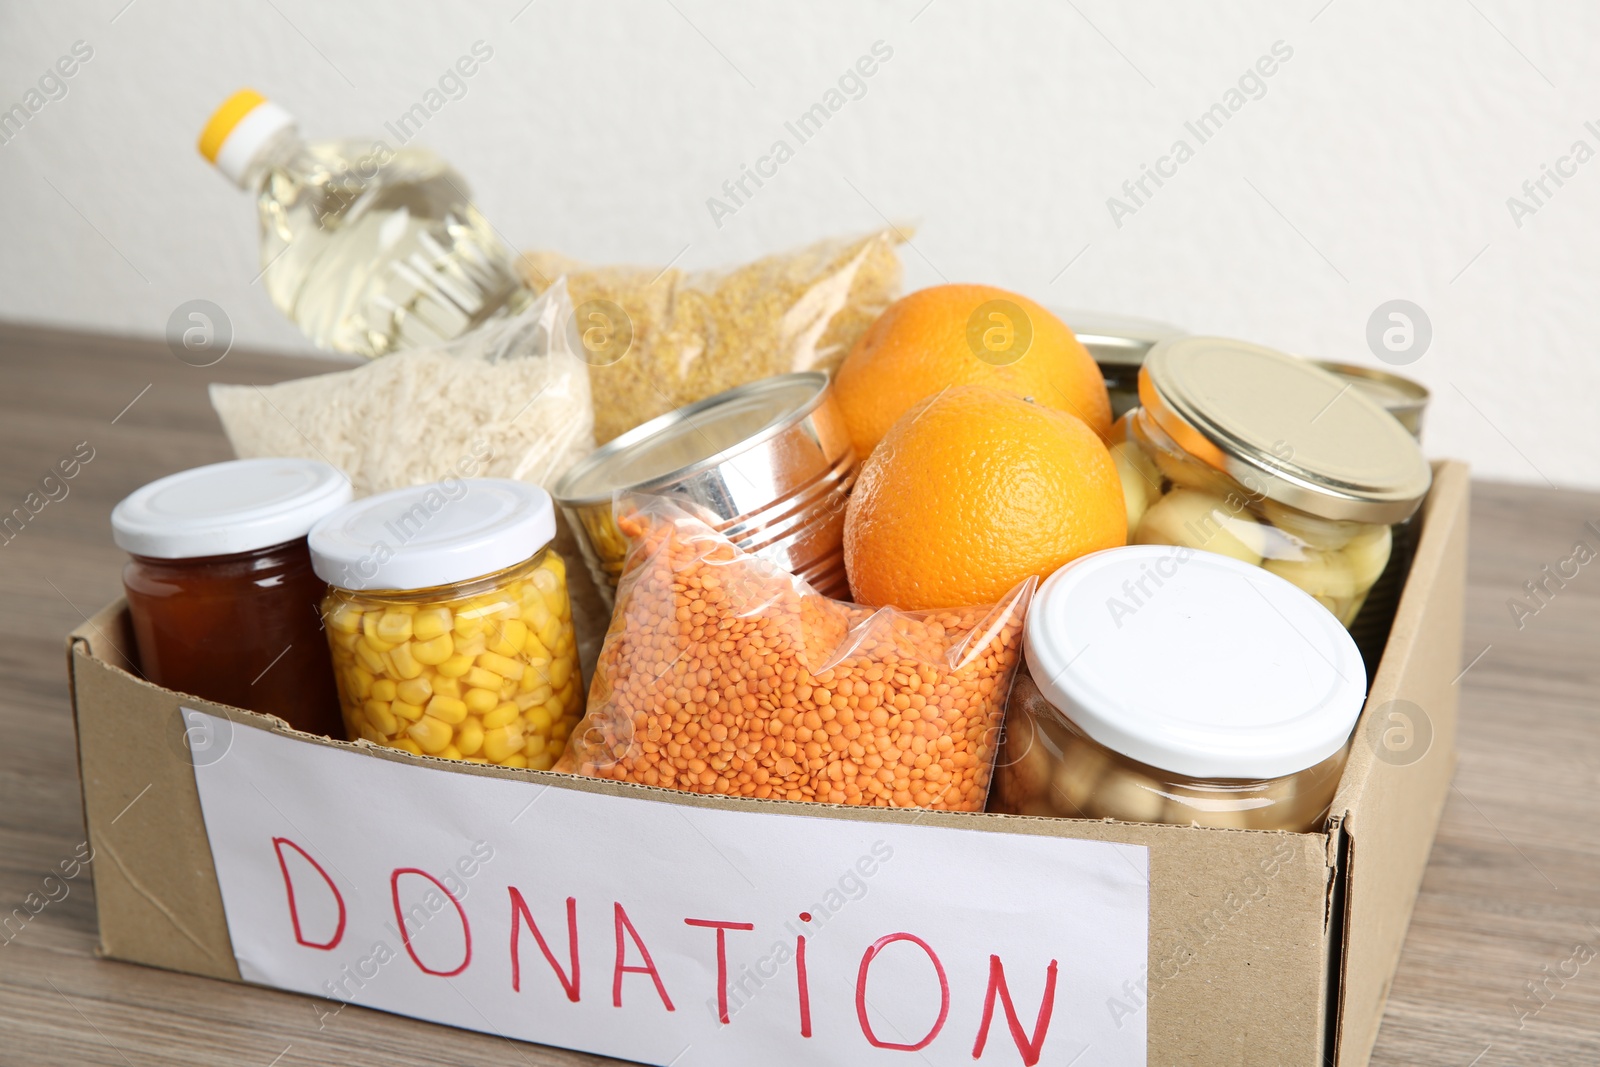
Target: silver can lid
x=1399, y=396
x=1116, y=340
x=1285, y=428
x=681, y=443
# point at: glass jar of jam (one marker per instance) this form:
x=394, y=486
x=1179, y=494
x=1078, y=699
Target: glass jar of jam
x=449, y=622
x=1270, y=459
x=1171, y=685
x=220, y=589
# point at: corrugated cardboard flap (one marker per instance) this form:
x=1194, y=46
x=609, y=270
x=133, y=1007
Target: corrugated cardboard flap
x=1394, y=788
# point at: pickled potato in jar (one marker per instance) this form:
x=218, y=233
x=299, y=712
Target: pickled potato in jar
x=1247, y=725
x=1270, y=460
x=440, y=647
x=1047, y=767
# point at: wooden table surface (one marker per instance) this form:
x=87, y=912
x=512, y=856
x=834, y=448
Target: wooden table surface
x=1511, y=896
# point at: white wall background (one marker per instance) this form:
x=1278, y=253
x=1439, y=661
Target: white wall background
x=1376, y=166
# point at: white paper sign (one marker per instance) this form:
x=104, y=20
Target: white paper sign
x=665, y=933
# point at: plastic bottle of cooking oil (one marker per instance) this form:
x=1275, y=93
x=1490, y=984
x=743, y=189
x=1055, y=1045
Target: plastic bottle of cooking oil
x=368, y=248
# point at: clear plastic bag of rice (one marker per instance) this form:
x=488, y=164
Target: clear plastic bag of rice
x=508, y=400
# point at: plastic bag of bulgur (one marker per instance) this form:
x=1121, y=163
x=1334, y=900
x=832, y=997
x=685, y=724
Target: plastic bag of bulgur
x=722, y=673
x=683, y=336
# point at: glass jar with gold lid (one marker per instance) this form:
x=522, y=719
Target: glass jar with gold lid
x=1252, y=453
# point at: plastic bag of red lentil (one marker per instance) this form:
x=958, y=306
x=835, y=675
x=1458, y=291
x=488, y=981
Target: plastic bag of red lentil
x=722, y=673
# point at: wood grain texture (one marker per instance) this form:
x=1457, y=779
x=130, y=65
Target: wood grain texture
x=1513, y=885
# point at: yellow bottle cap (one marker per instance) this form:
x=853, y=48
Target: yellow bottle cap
x=225, y=118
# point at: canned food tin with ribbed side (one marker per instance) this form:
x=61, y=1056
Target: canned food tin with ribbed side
x=770, y=461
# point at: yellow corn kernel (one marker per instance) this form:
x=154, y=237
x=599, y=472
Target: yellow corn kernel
x=360, y=681
x=369, y=631
x=369, y=659
x=508, y=639
x=345, y=618
x=367, y=733
x=518, y=761
x=344, y=643
x=434, y=652
x=378, y=713
x=384, y=689
x=543, y=761
x=499, y=744
x=447, y=709
x=548, y=583
x=407, y=711
x=535, y=678
x=469, y=737
x=566, y=646
x=450, y=687
x=405, y=663
x=560, y=671
x=414, y=690
x=431, y=734
x=533, y=746
x=539, y=721
x=450, y=752
x=501, y=715
x=508, y=690
x=535, y=696
x=560, y=730
x=509, y=669
x=456, y=665
x=481, y=700
x=408, y=745
x=467, y=625
x=394, y=627
x=479, y=678
x=534, y=648
x=426, y=625
x=550, y=631
x=554, y=707
x=537, y=616
x=473, y=646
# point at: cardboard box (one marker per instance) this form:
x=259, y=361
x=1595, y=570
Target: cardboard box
x=1261, y=948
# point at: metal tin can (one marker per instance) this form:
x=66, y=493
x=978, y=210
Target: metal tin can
x=1400, y=397
x=1118, y=344
x=771, y=460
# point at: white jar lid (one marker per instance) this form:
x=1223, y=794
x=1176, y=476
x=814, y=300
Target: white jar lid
x=1194, y=663
x=224, y=508
x=430, y=535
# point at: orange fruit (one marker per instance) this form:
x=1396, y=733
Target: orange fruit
x=965, y=335
x=973, y=490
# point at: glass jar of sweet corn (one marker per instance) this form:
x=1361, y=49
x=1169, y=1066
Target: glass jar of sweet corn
x=449, y=622
x=220, y=589
x=1270, y=459
x=1245, y=724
